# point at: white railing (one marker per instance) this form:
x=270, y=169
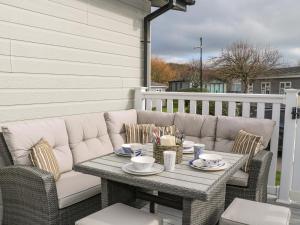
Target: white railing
x=245, y=105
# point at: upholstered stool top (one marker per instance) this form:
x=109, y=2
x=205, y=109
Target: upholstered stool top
x=241, y=212
x=120, y=214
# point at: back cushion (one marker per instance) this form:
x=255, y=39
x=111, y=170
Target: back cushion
x=229, y=127
x=88, y=136
x=22, y=136
x=197, y=128
x=115, y=124
x=158, y=118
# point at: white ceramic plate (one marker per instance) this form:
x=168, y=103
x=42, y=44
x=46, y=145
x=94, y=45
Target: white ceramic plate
x=221, y=166
x=188, y=144
x=120, y=152
x=188, y=150
x=129, y=168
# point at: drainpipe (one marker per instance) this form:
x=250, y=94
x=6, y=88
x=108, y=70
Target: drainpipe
x=147, y=49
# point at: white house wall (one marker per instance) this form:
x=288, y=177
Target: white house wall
x=62, y=57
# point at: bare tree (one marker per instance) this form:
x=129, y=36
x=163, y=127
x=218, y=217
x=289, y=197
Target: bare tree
x=194, y=73
x=244, y=61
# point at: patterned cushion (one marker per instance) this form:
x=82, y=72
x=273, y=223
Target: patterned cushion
x=139, y=133
x=246, y=143
x=42, y=157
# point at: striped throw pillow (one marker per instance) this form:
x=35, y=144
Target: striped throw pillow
x=247, y=143
x=139, y=133
x=42, y=157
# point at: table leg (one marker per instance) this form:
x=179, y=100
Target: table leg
x=197, y=212
x=114, y=192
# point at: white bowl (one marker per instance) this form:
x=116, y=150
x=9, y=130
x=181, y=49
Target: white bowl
x=142, y=163
x=188, y=144
x=210, y=159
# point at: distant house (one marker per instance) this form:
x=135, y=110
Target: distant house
x=177, y=85
x=276, y=81
x=216, y=86
x=158, y=87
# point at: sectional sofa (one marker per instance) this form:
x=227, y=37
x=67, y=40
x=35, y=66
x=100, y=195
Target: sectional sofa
x=31, y=196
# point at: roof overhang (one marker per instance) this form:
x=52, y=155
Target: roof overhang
x=178, y=4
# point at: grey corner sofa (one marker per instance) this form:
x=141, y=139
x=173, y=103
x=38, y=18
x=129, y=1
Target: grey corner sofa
x=32, y=197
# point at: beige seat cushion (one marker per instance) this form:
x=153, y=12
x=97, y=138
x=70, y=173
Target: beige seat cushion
x=115, y=122
x=160, y=119
x=241, y=212
x=21, y=136
x=229, y=127
x=74, y=187
x=120, y=214
x=240, y=178
x=197, y=128
x=88, y=136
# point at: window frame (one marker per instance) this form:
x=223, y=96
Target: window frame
x=265, y=89
x=281, y=90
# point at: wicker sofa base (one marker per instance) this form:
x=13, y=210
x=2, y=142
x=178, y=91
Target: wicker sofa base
x=71, y=214
x=195, y=212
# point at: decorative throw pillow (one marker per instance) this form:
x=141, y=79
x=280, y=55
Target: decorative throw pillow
x=246, y=143
x=139, y=133
x=42, y=157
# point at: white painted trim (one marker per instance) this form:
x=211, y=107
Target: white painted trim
x=295, y=196
x=273, y=190
x=267, y=98
x=288, y=147
x=277, y=77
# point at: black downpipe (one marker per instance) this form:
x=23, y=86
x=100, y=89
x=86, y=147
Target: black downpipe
x=147, y=21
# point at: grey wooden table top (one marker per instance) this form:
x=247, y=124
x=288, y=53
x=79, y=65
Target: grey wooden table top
x=183, y=181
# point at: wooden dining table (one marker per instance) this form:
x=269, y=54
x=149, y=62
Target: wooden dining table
x=202, y=193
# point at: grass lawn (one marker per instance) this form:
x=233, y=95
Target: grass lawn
x=278, y=175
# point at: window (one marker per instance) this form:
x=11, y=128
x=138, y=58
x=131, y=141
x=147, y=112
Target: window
x=250, y=88
x=236, y=87
x=284, y=85
x=266, y=87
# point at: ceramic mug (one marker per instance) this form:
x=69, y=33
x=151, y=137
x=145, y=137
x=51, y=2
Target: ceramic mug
x=198, y=150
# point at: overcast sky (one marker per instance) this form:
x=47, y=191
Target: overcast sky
x=221, y=22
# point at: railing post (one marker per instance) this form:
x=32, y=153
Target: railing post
x=139, y=100
x=288, y=147
x=295, y=193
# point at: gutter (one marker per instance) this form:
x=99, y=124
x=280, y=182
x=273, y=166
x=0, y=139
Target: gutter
x=172, y=4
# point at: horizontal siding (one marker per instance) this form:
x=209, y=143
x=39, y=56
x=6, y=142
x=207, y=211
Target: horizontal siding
x=30, y=97
x=50, y=81
x=130, y=14
x=64, y=57
x=4, y=47
x=12, y=113
x=37, y=35
x=42, y=51
x=128, y=36
x=46, y=66
x=5, y=63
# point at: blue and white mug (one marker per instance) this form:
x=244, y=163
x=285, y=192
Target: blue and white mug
x=198, y=150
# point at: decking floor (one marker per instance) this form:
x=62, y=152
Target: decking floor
x=174, y=217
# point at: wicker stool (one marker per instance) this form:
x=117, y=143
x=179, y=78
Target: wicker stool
x=241, y=212
x=120, y=214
